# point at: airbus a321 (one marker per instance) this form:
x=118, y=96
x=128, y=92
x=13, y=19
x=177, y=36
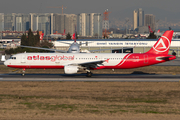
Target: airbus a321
x=72, y=63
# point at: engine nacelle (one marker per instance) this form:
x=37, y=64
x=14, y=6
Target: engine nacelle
x=70, y=69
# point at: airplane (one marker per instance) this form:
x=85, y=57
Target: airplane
x=145, y=35
x=74, y=47
x=72, y=63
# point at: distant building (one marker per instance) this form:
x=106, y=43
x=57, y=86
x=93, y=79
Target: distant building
x=150, y=21
x=58, y=23
x=1, y=21
x=63, y=22
x=70, y=23
x=9, y=22
x=49, y=23
x=135, y=19
x=21, y=22
x=138, y=18
x=41, y=22
x=89, y=24
x=96, y=24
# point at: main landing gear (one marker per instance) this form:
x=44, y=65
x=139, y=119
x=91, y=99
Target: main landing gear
x=89, y=74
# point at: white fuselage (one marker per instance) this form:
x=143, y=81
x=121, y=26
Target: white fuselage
x=62, y=59
x=88, y=60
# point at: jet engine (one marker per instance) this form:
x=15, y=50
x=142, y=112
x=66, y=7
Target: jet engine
x=70, y=69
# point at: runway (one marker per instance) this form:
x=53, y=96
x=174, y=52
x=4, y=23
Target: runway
x=94, y=78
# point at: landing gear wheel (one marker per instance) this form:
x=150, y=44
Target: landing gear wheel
x=89, y=74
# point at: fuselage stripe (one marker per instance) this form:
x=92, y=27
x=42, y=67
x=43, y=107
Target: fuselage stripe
x=124, y=59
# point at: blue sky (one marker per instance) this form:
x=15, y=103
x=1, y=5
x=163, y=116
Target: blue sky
x=120, y=9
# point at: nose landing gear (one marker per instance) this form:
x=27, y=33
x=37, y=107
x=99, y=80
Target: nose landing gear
x=23, y=72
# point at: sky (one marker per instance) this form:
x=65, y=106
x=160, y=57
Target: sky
x=120, y=9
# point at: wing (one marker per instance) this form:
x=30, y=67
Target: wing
x=65, y=42
x=62, y=51
x=88, y=65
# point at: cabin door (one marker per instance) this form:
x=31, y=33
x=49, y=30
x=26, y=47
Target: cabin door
x=145, y=59
x=23, y=59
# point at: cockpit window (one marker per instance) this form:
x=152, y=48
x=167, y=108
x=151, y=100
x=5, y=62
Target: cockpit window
x=14, y=58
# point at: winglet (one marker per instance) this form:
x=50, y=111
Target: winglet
x=163, y=44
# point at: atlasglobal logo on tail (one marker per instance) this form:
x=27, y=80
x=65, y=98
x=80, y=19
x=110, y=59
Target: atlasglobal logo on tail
x=51, y=58
x=163, y=44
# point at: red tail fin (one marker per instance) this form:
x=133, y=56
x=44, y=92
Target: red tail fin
x=64, y=32
x=158, y=31
x=150, y=30
x=41, y=36
x=74, y=37
x=163, y=44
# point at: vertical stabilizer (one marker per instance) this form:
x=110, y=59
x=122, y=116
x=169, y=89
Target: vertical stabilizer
x=64, y=32
x=150, y=30
x=163, y=44
x=41, y=36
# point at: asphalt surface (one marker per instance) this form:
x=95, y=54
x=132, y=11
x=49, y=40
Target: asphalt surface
x=94, y=78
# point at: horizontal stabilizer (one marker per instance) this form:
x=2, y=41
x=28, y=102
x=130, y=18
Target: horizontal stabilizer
x=164, y=58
